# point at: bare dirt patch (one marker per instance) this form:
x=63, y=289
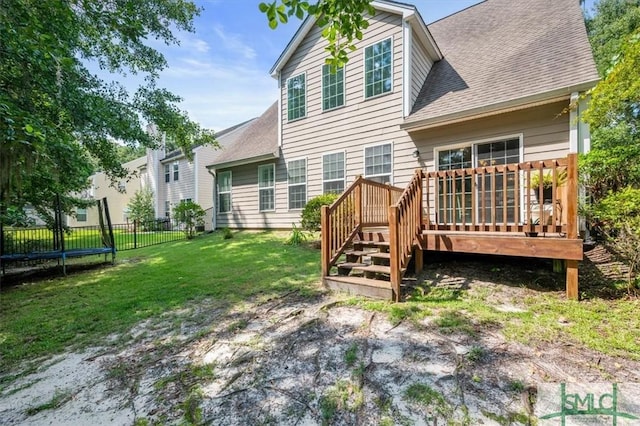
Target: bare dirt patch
x=298, y=360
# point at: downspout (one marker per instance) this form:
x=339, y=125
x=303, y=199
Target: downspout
x=214, y=211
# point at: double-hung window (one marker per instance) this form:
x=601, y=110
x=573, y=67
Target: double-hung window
x=81, y=215
x=167, y=209
x=296, y=97
x=378, y=66
x=224, y=192
x=333, y=172
x=378, y=163
x=266, y=187
x=297, y=178
x=176, y=170
x=167, y=172
x=332, y=87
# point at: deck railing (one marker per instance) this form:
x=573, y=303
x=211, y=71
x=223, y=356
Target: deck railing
x=532, y=197
x=364, y=203
x=405, y=229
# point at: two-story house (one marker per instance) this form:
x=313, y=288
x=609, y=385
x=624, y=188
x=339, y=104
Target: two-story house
x=496, y=83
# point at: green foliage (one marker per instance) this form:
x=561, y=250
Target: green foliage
x=190, y=215
x=612, y=21
x=351, y=355
x=297, y=236
x=342, y=22
x=58, y=120
x=547, y=179
x=429, y=398
x=141, y=206
x=16, y=217
x=312, y=211
x=227, y=234
x=618, y=208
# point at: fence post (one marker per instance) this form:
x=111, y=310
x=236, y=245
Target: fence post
x=135, y=233
x=325, y=240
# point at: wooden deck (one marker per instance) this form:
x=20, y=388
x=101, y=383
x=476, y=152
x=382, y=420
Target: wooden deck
x=485, y=210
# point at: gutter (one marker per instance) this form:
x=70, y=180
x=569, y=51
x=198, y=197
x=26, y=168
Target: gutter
x=497, y=108
x=214, y=211
x=242, y=162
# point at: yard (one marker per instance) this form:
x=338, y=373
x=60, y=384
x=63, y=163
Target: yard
x=240, y=331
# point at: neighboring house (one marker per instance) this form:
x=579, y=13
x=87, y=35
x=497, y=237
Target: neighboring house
x=491, y=84
x=118, y=195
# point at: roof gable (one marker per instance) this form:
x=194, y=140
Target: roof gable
x=504, y=52
x=408, y=12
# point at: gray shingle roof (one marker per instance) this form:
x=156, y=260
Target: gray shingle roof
x=499, y=51
x=258, y=140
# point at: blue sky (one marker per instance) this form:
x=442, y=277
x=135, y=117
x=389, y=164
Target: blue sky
x=222, y=70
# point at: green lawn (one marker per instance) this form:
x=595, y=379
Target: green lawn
x=82, y=309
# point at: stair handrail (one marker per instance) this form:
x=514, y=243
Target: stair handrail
x=405, y=229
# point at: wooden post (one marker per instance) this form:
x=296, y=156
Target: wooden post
x=394, y=251
x=419, y=259
x=358, y=205
x=572, y=222
x=325, y=240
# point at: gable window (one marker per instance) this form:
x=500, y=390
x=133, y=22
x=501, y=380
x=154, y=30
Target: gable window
x=296, y=97
x=480, y=154
x=378, y=163
x=167, y=172
x=224, y=192
x=167, y=209
x=332, y=87
x=81, y=215
x=176, y=173
x=333, y=172
x=377, y=69
x=297, y=177
x=266, y=187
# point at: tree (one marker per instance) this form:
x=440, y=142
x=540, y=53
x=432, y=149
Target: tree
x=190, y=215
x=342, y=21
x=57, y=117
x=141, y=206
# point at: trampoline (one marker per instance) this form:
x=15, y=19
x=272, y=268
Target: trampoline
x=102, y=243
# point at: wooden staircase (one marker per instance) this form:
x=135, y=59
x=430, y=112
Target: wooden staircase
x=365, y=267
x=369, y=234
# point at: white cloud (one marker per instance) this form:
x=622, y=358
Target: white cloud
x=234, y=43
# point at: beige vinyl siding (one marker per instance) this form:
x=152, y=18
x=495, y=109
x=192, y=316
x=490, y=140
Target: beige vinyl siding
x=245, y=200
x=101, y=187
x=360, y=122
x=545, y=131
x=205, y=192
x=174, y=191
x=420, y=66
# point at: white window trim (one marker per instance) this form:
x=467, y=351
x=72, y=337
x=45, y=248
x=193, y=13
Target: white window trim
x=364, y=70
x=306, y=109
x=306, y=181
x=273, y=167
x=175, y=167
x=344, y=163
x=364, y=160
x=344, y=89
x=167, y=172
x=473, y=143
x=230, y=191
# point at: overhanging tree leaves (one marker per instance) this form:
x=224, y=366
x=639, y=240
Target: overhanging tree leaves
x=342, y=21
x=55, y=114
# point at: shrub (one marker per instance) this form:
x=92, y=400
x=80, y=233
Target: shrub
x=297, y=236
x=141, y=207
x=190, y=215
x=227, y=234
x=312, y=211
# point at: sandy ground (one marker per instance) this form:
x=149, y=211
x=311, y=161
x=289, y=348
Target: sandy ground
x=296, y=360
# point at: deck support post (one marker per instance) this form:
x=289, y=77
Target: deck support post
x=325, y=240
x=419, y=258
x=572, y=222
x=394, y=252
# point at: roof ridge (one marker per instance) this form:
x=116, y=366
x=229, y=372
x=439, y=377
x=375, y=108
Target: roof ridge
x=458, y=12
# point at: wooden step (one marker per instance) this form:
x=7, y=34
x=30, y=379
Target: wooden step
x=378, y=269
x=379, y=255
x=371, y=243
x=360, y=286
x=345, y=267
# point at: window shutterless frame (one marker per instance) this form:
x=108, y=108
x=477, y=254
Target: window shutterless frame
x=333, y=88
x=225, y=187
x=296, y=97
x=380, y=55
x=299, y=185
x=267, y=190
x=335, y=177
x=377, y=150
